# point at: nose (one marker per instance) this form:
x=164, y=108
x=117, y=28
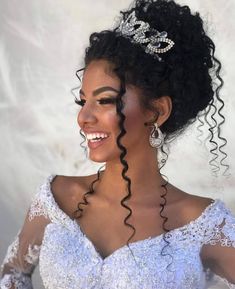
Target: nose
x=86, y=115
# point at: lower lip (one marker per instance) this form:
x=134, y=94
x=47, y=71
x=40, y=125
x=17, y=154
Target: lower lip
x=94, y=145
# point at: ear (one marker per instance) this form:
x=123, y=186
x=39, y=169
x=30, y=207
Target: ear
x=163, y=106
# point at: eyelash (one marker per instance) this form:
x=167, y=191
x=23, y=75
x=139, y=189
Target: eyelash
x=101, y=101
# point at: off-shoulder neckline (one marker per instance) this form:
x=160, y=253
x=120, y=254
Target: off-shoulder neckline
x=78, y=229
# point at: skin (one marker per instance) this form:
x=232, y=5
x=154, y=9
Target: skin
x=102, y=220
x=141, y=157
x=104, y=209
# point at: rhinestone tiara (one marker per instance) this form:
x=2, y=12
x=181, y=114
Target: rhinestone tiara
x=155, y=43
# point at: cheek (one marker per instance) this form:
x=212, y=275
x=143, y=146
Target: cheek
x=110, y=120
x=134, y=122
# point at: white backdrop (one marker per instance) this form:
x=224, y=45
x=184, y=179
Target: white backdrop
x=41, y=46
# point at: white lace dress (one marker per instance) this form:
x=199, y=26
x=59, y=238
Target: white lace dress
x=68, y=259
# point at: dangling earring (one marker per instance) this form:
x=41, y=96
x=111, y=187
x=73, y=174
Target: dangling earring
x=156, y=138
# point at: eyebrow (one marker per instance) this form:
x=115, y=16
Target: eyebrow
x=100, y=90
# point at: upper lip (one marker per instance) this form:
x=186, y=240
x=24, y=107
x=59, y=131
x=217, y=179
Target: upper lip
x=86, y=131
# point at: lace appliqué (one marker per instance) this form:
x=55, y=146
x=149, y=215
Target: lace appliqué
x=33, y=254
x=16, y=278
x=37, y=208
x=31, y=257
x=69, y=260
x=229, y=231
x=223, y=229
x=11, y=252
x=45, y=205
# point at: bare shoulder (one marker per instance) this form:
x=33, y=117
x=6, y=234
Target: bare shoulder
x=69, y=190
x=193, y=206
x=187, y=207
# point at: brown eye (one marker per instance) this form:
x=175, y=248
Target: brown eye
x=107, y=101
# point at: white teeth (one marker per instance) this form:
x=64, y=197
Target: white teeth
x=93, y=140
x=91, y=136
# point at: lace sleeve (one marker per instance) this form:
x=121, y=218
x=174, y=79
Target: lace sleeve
x=219, y=246
x=22, y=255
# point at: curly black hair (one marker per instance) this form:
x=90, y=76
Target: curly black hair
x=189, y=74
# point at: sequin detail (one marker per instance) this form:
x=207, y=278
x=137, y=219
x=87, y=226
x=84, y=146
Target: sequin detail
x=69, y=260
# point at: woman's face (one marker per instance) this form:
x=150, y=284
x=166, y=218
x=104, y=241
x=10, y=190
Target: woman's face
x=98, y=114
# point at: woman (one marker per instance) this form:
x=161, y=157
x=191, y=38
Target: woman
x=127, y=227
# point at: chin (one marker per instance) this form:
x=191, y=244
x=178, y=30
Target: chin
x=98, y=158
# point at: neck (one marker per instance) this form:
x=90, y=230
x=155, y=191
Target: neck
x=145, y=177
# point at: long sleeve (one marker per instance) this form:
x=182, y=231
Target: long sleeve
x=219, y=246
x=22, y=255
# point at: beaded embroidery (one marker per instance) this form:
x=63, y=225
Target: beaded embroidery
x=69, y=260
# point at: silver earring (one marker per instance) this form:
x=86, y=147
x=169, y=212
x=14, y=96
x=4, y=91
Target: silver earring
x=156, y=138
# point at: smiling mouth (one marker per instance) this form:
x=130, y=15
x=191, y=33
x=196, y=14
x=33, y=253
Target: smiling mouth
x=98, y=139
x=96, y=135
x=94, y=143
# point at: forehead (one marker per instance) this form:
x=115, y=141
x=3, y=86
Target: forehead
x=99, y=73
